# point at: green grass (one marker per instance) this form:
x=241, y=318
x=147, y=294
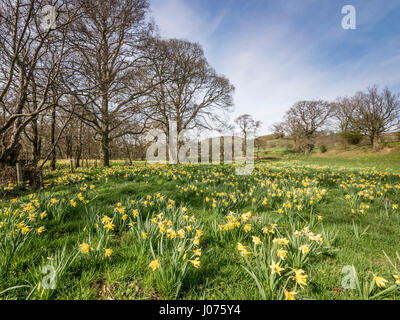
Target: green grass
x=126, y=274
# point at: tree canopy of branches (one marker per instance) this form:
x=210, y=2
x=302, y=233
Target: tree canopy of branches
x=248, y=128
x=247, y=125
x=278, y=130
x=304, y=119
x=31, y=58
x=107, y=70
x=372, y=113
x=189, y=91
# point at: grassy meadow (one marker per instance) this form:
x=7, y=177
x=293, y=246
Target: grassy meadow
x=293, y=229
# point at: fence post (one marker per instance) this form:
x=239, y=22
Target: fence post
x=19, y=173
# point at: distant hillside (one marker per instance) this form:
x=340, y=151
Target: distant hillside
x=269, y=146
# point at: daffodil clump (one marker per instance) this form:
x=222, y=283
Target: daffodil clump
x=174, y=240
x=60, y=209
x=262, y=190
x=20, y=223
x=12, y=188
x=241, y=226
x=278, y=263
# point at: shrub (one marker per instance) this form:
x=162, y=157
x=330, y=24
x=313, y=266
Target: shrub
x=352, y=137
x=323, y=148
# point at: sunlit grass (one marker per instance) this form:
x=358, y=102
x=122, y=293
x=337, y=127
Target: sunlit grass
x=103, y=228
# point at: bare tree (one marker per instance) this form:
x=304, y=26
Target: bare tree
x=108, y=69
x=248, y=128
x=344, y=113
x=190, y=91
x=247, y=125
x=278, y=130
x=372, y=113
x=304, y=119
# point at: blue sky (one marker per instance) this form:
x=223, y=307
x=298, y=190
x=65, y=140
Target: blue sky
x=277, y=52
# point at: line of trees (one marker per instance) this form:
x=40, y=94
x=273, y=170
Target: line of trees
x=371, y=114
x=91, y=83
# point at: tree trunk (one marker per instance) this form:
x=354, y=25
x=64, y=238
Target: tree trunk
x=78, y=159
x=105, y=150
x=68, y=151
x=128, y=153
x=308, y=148
x=9, y=157
x=105, y=127
x=80, y=147
x=71, y=163
x=376, y=144
x=295, y=144
x=36, y=143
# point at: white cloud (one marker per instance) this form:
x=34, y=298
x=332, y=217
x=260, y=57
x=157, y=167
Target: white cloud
x=186, y=20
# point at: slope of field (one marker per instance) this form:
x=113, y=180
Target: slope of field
x=336, y=154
